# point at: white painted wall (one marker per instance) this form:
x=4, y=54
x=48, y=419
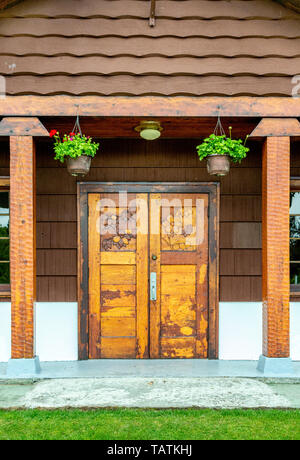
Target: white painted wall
x=295, y=330
x=4, y=331
x=240, y=326
x=56, y=331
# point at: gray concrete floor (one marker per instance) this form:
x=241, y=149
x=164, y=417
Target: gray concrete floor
x=150, y=383
x=216, y=392
x=118, y=368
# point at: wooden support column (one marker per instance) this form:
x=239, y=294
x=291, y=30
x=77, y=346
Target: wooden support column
x=275, y=233
x=22, y=245
x=22, y=231
x=275, y=247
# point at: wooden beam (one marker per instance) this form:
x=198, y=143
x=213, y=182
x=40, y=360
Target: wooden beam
x=22, y=245
x=275, y=246
x=277, y=127
x=8, y=3
x=292, y=4
x=177, y=106
x=152, y=13
x=4, y=181
x=22, y=126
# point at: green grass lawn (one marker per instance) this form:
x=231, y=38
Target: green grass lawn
x=140, y=424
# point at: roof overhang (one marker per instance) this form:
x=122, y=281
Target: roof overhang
x=291, y=4
x=149, y=106
x=8, y=3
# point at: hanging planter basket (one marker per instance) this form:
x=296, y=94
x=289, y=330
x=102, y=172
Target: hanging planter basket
x=79, y=166
x=218, y=150
x=76, y=148
x=218, y=165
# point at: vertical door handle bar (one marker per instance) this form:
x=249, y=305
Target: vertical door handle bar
x=152, y=286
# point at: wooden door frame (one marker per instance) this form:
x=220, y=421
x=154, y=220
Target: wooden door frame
x=210, y=188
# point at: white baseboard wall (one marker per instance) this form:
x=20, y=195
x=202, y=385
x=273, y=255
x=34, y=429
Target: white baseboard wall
x=5, y=336
x=240, y=330
x=56, y=331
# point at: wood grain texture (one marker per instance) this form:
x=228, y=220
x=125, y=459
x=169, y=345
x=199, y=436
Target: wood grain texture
x=142, y=47
x=293, y=4
x=22, y=246
x=239, y=288
x=8, y=3
x=18, y=126
x=166, y=159
x=154, y=65
x=275, y=247
x=245, y=262
x=240, y=235
x=94, y=47
x=132, y=27
x=202, y=270
x=118, y=347
x=155, y=266
x=56, y=235
x=240, y=208
x=142, y=272
x=94, y=278
x=213, y=272
x=136, y=8
x=175, y=322
x=179, y=314
x=82, y=276
x=178, y=348
x=56, y=288
x=112, y=289
x=135, y=85
x=56, y=208
x=56, y=262
x=154, y=106
x=281, y=127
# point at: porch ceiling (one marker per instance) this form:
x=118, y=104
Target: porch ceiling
x=112, y=127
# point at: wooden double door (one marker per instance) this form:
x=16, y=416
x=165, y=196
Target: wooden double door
x=148, y=277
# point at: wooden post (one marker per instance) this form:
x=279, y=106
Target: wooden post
x=275, y=247
x=22, y=232
x=22, y=246
x=275, y=239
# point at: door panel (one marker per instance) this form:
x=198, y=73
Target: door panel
x=161, y=233
x=179, y=257
x=118, y=278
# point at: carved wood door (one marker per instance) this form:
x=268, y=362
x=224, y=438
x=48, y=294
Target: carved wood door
x=118, y=276
x=179, y=260
x=147, y=275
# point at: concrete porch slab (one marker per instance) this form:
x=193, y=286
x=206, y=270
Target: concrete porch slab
x=119, y=368
x=217, y=393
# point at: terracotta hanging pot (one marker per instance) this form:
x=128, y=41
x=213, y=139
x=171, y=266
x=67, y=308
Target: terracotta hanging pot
x=79, y=166
x=218, y=165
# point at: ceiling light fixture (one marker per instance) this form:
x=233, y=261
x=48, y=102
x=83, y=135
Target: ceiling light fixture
x=149, y=130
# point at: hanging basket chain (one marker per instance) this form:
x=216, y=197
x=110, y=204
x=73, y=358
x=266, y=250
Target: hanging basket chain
x=219, y=130
x=77, y=128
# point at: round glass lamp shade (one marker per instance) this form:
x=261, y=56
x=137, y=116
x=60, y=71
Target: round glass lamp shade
x=150, y=134
x=149, y=130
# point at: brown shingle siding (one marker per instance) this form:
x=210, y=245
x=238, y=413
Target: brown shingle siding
x=198, y=47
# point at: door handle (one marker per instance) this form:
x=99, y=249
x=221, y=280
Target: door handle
x=152, y=286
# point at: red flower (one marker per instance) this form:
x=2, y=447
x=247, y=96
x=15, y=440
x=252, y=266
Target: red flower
x=72, y=134
x=53, y=132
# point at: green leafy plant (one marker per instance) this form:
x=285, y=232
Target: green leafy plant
x=223, y=145
x=73, y=146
